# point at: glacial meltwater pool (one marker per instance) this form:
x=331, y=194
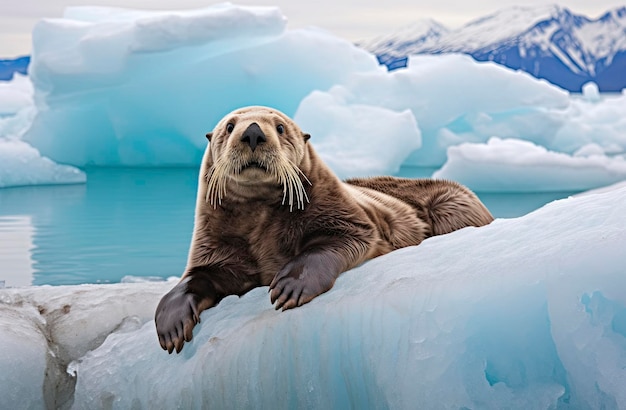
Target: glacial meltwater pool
x=126, y=223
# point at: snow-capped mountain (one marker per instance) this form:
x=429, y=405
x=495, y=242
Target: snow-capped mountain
x=409, y=38
x=549, y=42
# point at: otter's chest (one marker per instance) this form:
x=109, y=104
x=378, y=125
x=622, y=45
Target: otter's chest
x=270, y=237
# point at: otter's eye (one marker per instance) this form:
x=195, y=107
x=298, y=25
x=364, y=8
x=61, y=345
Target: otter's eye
x=280, y=129
x=230, y=127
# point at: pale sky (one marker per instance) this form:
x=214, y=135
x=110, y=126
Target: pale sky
x=351, y=19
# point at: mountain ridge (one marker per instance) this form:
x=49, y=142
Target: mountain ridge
x=549, y=42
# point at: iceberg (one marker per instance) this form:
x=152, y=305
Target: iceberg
x=358, y=139
x=135, y=88
x=24, y=165
x=15, y=95
x=521, y=166
x=523, y=313
x=456, y=100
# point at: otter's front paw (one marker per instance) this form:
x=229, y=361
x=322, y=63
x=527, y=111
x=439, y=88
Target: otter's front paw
x=301, y=280
x=175, y=318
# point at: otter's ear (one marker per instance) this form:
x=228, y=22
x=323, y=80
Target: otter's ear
x=209, y=135
x=306, y=137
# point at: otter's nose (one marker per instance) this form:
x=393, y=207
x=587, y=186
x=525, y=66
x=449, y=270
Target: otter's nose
x=253, y=136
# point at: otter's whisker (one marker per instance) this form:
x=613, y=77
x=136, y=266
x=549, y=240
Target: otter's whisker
x=216, y=185
x=283, y=180
x=210, y=190
x=292, y=188
x=302, y=195
x=288, y=174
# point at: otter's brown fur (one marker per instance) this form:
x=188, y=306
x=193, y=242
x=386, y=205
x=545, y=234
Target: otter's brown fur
x=270, y=212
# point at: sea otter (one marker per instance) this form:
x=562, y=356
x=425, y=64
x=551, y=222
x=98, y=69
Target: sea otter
x=270, y=212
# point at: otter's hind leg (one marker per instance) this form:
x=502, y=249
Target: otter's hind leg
x=444, y=205
x=452, y=206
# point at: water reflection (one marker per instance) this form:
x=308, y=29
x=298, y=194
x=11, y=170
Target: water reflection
x=16, y=242
x=122, y=222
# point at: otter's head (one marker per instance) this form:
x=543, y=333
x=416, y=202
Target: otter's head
x=254, y=149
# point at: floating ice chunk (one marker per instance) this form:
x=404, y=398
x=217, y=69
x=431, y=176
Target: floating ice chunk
x=166, y=30
x=591, y=92
x=453, y=95
x=347, y=135
x=602, y=123
x=145, y=87
x=140, y=279
x=16, y=106
x=101, y=40
x=23, y=165
x=15, y=95
x=510, y=165
x=589, y=150
x=20, y=163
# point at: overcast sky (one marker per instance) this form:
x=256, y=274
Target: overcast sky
x=351, y=19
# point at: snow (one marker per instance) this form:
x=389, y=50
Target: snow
x=602, y=38
x=502, y=25
x=523, y=313
x=423, y=31
x=564, y=58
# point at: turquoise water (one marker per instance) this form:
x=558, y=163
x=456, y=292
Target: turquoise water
x=126, y=223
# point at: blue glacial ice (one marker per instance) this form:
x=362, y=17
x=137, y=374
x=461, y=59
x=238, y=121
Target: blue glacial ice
x=524, y=313
x=168, y=79
x=133, y=88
